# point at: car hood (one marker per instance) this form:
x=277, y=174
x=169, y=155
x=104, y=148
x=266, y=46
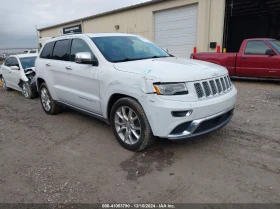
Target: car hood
x=173, y=69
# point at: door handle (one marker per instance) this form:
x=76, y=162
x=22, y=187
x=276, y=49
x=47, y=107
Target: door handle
x=68, y=68
x=244, y=58
x=48, y=64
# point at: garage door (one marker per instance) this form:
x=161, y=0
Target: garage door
x=176, y=30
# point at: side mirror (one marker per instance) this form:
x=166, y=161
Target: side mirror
x=270, y=52
x=14, y=67
x=85, y=58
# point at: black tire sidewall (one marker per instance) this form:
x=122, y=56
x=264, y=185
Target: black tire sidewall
x=145, y=127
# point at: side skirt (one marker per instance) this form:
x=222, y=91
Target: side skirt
x=86, y=112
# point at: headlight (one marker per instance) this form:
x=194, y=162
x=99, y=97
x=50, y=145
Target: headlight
x=171, y=89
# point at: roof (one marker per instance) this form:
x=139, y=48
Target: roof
x=257, y=39
x=92, y=35
x=25, y=55
x=104, y=14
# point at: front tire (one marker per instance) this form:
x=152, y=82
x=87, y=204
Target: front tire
x=48, y=104
x=27, y=92
x=4, y=84
x=130, y=125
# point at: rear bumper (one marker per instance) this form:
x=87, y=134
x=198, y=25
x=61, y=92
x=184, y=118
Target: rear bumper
x=215, y=122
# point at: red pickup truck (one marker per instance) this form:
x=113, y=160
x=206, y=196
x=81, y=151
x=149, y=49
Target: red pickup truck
x=259, y=58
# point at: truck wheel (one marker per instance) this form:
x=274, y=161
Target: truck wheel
x=48, y=104
x=27, y=92
x=130, y=125
x=4, y=85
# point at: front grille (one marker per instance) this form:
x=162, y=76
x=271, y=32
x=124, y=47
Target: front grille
x=213, y=123
x=212, y=87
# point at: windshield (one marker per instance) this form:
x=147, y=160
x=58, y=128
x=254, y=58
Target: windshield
x=27, y=62
x=127, y=48
x=276, y=45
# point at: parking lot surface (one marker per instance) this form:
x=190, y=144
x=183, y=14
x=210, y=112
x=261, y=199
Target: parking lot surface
x=71, y=157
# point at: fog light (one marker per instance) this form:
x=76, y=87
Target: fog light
x=186, y=113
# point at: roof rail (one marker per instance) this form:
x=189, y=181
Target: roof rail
x=67, y=34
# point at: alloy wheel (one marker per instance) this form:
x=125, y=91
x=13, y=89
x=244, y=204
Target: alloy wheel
x=127, y=124
x=4, y=83
x=45, y=98
x=25, y=91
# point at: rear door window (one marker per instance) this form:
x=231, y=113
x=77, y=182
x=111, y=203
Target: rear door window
x=47, y=51
x=256, y=48
x=61, y=50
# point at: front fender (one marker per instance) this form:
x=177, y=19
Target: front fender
x=22, y=76
x=128, y=84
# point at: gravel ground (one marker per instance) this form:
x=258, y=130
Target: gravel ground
x=74, y=158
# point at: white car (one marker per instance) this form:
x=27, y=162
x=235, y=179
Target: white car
x=18, y=72
x=32, y=51
x=135, y=86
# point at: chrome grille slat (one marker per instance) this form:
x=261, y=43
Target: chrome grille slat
x=206, y=88
x=212, y=87
x=229, y=81
x=223, y=84
x=225, y=78
x=219, y=85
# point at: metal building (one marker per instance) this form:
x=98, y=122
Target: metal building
x=178, y=25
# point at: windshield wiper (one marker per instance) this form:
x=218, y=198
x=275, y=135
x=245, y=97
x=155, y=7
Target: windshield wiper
x=158, y=57
x=143, y=58
x=126, y=60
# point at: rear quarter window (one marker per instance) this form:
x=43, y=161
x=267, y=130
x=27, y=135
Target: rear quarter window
x=47, y=51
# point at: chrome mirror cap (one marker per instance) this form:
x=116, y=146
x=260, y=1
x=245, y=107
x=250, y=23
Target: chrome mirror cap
x=83, y=58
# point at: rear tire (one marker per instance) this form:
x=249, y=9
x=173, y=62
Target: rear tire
x=48, y=104
x=4, y=84
x=27, y=92
x=130, y=125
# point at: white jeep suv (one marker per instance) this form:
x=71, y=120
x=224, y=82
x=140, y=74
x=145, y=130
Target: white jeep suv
x=134, y=85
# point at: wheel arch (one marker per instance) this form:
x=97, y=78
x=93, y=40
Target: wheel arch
x=113, y=99
x=39, y=81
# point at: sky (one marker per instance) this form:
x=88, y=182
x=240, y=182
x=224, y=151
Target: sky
x=19, y=17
